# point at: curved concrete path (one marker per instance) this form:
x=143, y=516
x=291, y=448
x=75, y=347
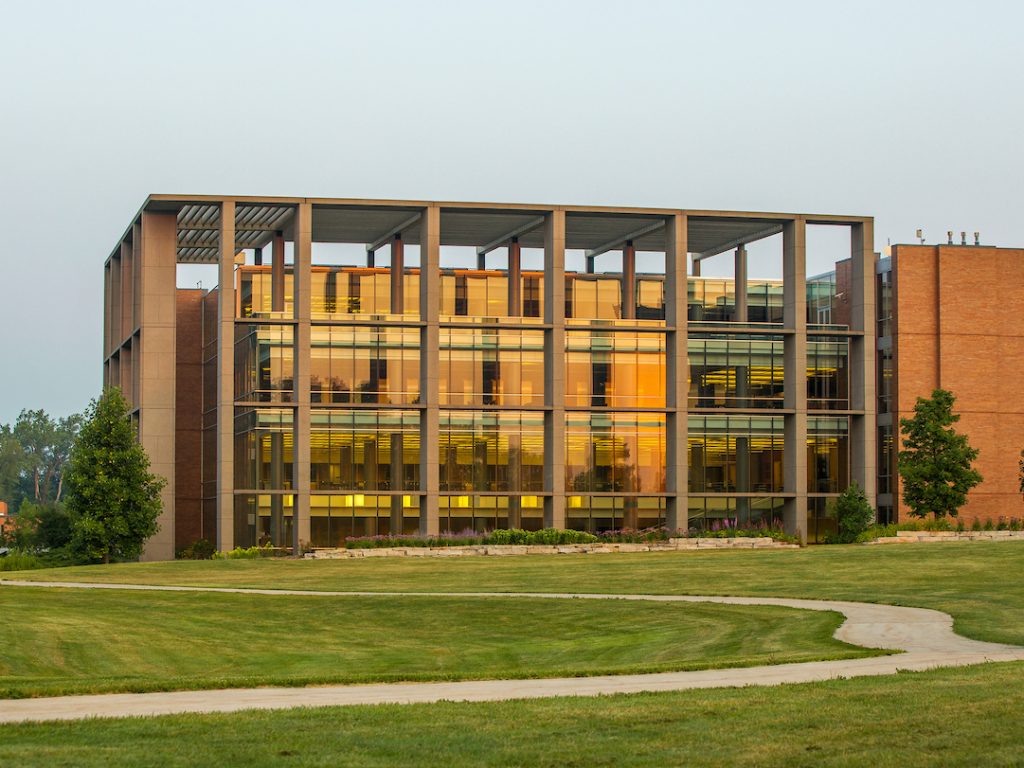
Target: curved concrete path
x=925, y=637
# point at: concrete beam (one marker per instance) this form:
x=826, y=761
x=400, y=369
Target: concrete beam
x=497, y=242
x=618, y=242
x=736, y=242
x=395, y=230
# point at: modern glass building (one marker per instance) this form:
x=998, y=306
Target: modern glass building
x=374, y=367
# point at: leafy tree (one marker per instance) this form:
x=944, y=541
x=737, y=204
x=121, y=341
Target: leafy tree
x=45, y=445
x=12, y=460
x=42, y=526
x=853, y=513
x=1020, y=472
x=113, y=499
x=936, y=461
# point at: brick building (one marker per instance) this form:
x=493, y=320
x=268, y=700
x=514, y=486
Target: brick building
x=949, y=317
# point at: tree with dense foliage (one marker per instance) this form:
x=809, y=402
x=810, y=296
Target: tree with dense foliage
x=853, y=513
x=936, y=461
x=33, y=456
x=1020, y=473
x=12, y=461
x=113, y=499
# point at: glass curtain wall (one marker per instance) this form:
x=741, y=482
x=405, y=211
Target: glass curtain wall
x=736, y=371
x=491, y=366
x=264, y=393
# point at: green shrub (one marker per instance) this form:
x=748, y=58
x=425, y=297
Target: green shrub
x=242, y=553
x=1015, y=524
x=853, y=513
x=976, y=525
x=471, y=538
x=927, y=524
x=17, y=560
x=876, y=532
x=202, y=549
x=509, y=536
x=988, y=524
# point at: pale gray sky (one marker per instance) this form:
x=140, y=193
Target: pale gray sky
x=907, y=111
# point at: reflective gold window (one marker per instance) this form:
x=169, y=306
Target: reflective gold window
x=364, y=364
x=828, y=454
x=598, y=514
x=336, y=517
x=264, y=363
x=491, y=367
x=828, y=373
x=736, y=371
x=729, y=454
x=371, y=450
x=618, y=369
x=491, y=451
x=615, y=452
x=264, y=448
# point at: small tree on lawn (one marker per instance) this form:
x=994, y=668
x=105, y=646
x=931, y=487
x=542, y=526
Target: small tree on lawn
x=935, y=462
x=853, y=513
x=113, y=499
x=1020, y=473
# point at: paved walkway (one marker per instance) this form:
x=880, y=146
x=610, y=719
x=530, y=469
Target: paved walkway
x=925, y=637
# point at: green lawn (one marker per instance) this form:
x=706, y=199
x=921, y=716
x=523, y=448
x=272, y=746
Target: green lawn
x=948, y=717
x=980, y=584
x=90, y=641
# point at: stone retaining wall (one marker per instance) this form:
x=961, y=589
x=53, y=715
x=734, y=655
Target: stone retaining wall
x=911, y=537
x=495, y=550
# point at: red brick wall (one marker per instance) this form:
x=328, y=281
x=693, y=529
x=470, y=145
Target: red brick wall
x=959, y=327
x=188, y=513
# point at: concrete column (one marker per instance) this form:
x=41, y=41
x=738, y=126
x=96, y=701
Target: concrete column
x=128, y=282
x=554, y=368
x=397, y=275
x=515, y=507
x=107, y=343
x=863, y=432
x=629, y=281
x=515, y=279
x=116, y=336
x=794, y=290
x=302, y=275
x=277, y=273
x=396, y=475
x=277, y=483
x=742, y=480
x=677, y=372
x=277, y=536
x=696, y=268
x=740, y=284
x=226, y=380
x=154, y=362
x=430, y=297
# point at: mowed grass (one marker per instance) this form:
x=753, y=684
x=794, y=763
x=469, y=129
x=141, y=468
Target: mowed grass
x=965, y=716
x=91, y=641
x=980, y=584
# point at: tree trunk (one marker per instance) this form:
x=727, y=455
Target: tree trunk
x=35, y=478
x=60, y=485
x=106, y=558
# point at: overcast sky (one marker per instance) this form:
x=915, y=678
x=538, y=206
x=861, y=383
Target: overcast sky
x=907, y=111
